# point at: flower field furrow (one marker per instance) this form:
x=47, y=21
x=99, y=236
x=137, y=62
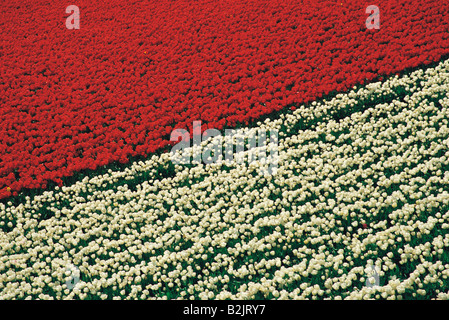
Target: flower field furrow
x=360, y=191
x=114, y=89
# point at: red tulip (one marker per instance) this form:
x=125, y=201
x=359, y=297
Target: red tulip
x=110, y=97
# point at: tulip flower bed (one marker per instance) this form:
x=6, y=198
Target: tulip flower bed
x=73, y=100
x=362, y=181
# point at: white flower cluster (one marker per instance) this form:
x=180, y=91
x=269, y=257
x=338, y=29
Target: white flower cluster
x=358, y=184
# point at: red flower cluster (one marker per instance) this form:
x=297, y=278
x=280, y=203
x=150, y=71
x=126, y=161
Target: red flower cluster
x=79, y=99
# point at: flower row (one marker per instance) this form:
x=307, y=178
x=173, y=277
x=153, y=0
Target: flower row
x=358, y=185
x=80, y=99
